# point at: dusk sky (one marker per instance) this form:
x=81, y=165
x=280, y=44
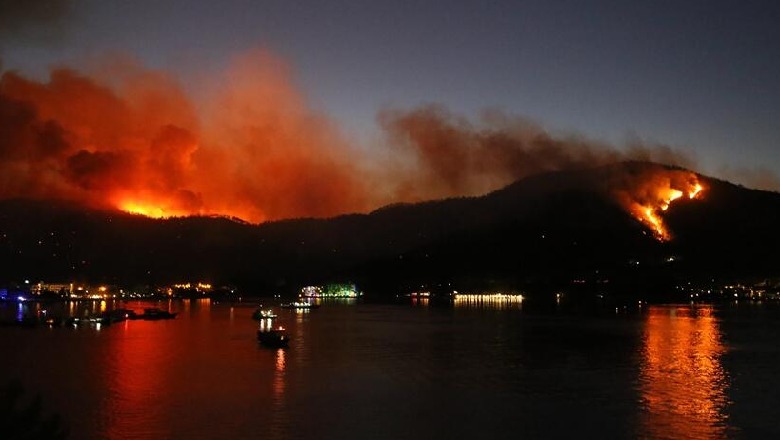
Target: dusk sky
x=701, y=76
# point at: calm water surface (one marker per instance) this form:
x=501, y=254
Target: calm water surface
x=400, y=371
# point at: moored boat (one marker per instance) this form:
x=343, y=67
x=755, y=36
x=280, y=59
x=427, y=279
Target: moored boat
x=262, y=313
x=300, y=305
x=118, y=315
x=274, y=338
x=154, y=313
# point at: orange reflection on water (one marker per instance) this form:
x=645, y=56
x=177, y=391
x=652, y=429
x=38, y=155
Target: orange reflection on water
x=682, y=382
x=266, y=324
x=279, y=374
x=279, y=416
x=137, y=379
x=422, y=301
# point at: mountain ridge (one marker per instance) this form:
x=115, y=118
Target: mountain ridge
x=545, y=230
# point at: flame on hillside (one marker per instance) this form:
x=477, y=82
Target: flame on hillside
x=651, y=192
x=148, y=210
x=124, y=137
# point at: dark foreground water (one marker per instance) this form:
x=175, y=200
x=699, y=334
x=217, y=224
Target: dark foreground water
x=387, y=371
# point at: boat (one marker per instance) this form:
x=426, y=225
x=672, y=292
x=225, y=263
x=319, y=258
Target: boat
x=99, y=319
x=72, y=321
x=262, y=313
x=119, y=315
x=89, y=319
x=154, y=313
x=53, y=321
x=300, y=305
x=116, y=315
x=274, y=338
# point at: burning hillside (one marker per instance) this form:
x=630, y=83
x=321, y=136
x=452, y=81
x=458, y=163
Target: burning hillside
x=557, y=226
x=131, y=139
x=127, y=138
x=646, y=192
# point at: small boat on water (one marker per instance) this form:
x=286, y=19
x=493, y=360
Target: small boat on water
x=155, y=313
x=53, y=321
x=262, y=313
x=300, y=305
x=118, y=315
x=274, y=338
x=90, y=319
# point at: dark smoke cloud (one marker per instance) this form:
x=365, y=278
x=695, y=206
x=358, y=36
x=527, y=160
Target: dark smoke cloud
x=97, y=170
x=29, y=148
x=129, y=138
x=454, y=156
x=76, y=139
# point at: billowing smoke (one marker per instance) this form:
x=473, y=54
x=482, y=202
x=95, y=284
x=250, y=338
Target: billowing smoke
x=276, y=155
x=129, y=138
x=136, y=142
x=453, y=156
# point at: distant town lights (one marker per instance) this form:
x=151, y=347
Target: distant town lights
x=333, y=290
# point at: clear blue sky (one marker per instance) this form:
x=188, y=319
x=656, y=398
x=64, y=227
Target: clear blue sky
x=700, y=75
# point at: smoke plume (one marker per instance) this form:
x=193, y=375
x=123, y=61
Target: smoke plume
x=453, y=156
x=126, y=137
x=136, y=142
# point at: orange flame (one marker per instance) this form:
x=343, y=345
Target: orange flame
x=697, y=188
x=148, y=210
x=129, y=138
x=151, y=205
x=249, y=146
x=654, y=193
x=141, y=209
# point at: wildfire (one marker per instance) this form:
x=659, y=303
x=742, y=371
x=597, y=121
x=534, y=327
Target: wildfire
x=655, y=194
x=147, y=210
x=697, y=188
x=151, y=208
x=252, y=148
x=674, y=194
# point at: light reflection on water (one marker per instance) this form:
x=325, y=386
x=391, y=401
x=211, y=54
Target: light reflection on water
x=280, y=415
x=331, y=301
x=494, y=301
x=136, y=382
x=464, y=370
x=683, y=385
x=424, y=301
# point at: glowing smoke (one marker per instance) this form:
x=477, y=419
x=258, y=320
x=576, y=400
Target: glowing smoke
x=135, y=142
x=646, y=192
x=129, y=138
